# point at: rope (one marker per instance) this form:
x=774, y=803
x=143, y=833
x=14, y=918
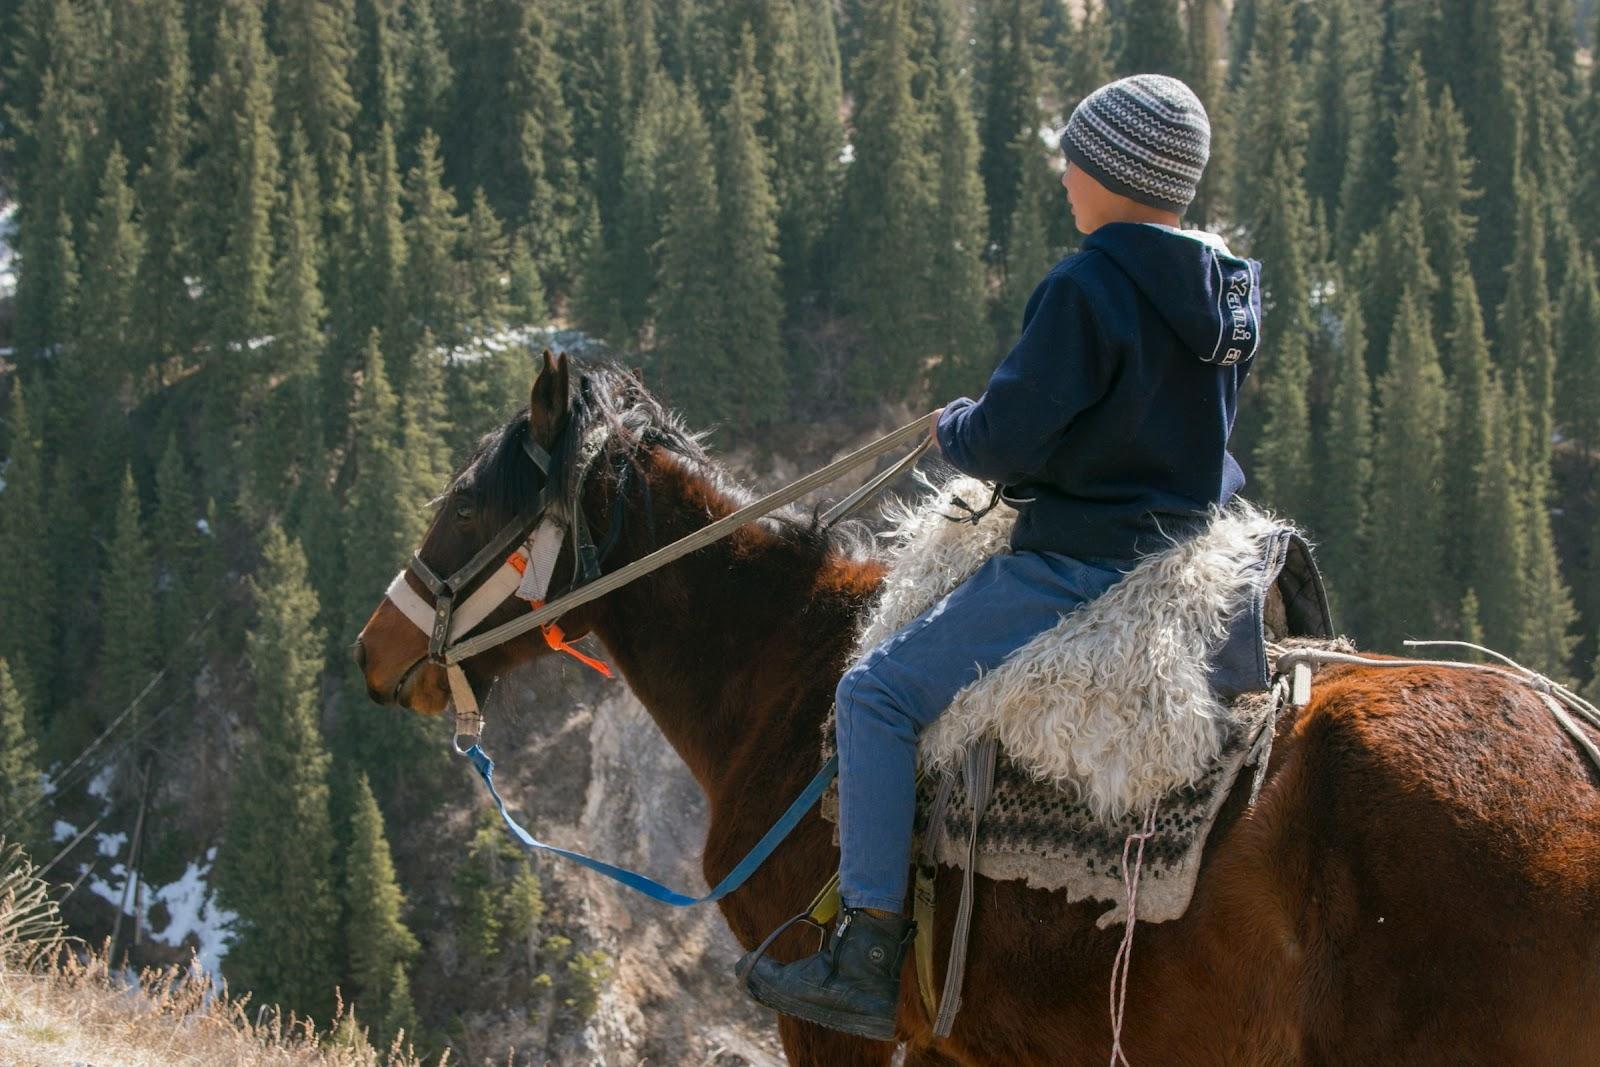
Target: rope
x=1553, y=693
x=1123, y=961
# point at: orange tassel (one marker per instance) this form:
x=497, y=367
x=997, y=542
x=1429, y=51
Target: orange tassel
x=553, y=635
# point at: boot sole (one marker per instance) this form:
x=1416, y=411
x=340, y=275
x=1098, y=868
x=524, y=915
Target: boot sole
x=870, y=1026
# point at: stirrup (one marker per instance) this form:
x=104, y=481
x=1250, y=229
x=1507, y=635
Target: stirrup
x=748, y=961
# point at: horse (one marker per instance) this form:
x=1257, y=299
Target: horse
x=1417, y=881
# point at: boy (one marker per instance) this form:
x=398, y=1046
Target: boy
x=1107, y=425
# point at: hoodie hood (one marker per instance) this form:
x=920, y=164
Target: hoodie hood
x=1210, y=297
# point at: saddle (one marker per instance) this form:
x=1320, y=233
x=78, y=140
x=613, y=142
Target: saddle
x=1134, y=716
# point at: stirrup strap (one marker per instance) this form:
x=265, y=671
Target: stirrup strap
x=748, y=961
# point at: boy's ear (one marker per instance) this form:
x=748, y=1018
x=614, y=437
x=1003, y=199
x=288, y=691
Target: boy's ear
x=548, y=401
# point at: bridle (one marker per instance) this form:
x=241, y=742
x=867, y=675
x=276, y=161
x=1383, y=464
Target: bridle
x=526, y=572
x=526, y=548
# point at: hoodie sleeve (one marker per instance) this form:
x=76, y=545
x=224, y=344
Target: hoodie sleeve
x=1059, y=367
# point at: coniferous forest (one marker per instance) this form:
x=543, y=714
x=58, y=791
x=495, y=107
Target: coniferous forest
x=270, y=266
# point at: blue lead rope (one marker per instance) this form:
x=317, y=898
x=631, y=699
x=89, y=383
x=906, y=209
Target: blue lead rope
x=649, y=886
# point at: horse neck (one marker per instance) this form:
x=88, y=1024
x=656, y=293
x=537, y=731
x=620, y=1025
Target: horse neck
x=735, y=649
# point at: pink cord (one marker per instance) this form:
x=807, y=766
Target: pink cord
x=1123, y=961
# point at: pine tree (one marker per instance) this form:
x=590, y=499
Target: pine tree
x=239, y=173
x=1527, y=349
x=49, y=53
x=288, y=429
x=1448, y=222
x=617, y=287
x=1545, y=639
x=1500, y=541
x=799, y=57
x=379, y=77
x=1394, y=260
x=1272, y=202
x=497, y=894
x=1486, y=78
x=1469, y=438
x=1152, y=39
x=1548, y=84
x=525, y=289
x=484, y=254
x=379, y=943
x=1010, y=122
x=433, y=282
x=1586, y=190
x=20, y=790
x=1346, y=468
x=1405, y=581
x=163, y=193
x=1202, y=72
x=1579, y=366
x=179, y=550
x=317, y=42
x=108, y=315
x=887, y=198
x=1401, y=260
x=384, y=300
x=28, y=621
x=752, y=337
x=956, y=298
x=382, y=508
x=689, y=357
x=513, y=134
x=128, y=651
x=1091, y=55
x=47, y=269
x=600, y=129
x=1342, y=104
x=1403, y=34
x=428, y=75
x=276, y=867
x=425, y=425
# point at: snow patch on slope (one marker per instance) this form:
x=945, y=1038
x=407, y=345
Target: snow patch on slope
x=193, y=914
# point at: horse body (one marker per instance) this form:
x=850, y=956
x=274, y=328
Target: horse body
x=1415, y=884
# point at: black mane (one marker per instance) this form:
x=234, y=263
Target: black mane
x=498, y=474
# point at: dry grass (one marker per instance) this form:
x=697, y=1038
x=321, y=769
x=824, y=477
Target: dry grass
x=61, y=1006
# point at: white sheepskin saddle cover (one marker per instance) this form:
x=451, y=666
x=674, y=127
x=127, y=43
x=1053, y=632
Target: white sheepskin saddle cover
x=1113, y=702
x=1100, y=718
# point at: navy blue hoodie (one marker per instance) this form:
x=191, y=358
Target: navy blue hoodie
x=1108, y=423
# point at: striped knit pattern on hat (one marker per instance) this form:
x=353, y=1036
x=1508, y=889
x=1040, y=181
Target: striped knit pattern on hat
x=1145, y=136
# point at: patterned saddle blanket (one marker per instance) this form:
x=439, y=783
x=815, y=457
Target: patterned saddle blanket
x=1148, y=702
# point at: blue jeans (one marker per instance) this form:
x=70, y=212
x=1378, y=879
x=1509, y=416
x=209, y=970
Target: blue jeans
x=888, y=698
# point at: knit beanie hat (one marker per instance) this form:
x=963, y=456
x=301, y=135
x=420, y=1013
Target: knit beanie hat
x=1145, y=136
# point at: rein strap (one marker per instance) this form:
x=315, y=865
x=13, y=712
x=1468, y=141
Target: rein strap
x=649, y=886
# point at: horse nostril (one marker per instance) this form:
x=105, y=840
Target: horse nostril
x=359, y=650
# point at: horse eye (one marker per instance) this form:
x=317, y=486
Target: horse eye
x=464, y=512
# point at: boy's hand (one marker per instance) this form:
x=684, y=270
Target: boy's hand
x=933, y=428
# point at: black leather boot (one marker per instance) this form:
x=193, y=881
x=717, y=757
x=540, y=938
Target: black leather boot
x=852, y=985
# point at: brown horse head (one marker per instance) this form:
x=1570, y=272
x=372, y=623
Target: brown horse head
x=498, y=483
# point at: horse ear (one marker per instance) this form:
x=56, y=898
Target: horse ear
x=547, y=405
